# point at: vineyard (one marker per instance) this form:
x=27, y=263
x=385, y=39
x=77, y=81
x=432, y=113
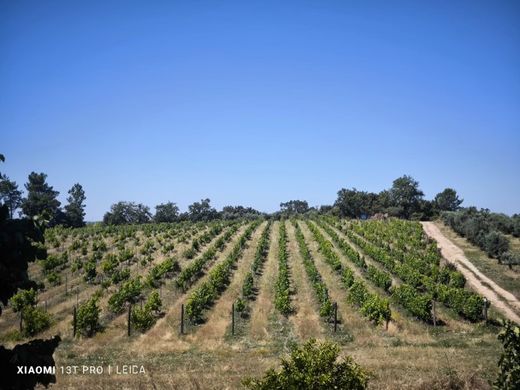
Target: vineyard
x=236, y=295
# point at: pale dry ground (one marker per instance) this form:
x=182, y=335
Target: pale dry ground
x=166, y=331
x=211, y=334
x=263, y=306
x=500, y=298
x=396, y=360
x=444, y=315
x=306, y=320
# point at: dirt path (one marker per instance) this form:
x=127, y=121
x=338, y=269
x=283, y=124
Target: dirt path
x=501, y=299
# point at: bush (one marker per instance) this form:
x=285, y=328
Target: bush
x=313, y=366
x=509, y=362
x=495, y=243
x=35, y=319
x=87, y=317
x=22, y=299
x=142, y=318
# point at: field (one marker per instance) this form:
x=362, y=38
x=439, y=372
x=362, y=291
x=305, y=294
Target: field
x=402, y=313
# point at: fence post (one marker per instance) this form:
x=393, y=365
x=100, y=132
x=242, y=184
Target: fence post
x=129, y=318
x=233, y=319
x=336, y=316
x=21, y=320
x=434, y=317
x=485, y=309
x=74, y=321
x=77, y=297
x=182, y=319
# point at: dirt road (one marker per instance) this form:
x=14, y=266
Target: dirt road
x=501, y=299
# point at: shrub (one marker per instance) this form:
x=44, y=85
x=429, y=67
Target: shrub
x=313, y=366
x=509, y=362
x=87, y=317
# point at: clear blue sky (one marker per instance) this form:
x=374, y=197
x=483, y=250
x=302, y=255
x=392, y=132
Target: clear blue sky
x=255, y=103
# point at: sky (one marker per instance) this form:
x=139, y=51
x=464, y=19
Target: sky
x=259, y=102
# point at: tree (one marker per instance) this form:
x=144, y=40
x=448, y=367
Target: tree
x=126, y=213
x=10, y=195
x=294, y=207
x=406, y=196
x=75, y=210
x=355, y=204
x=41, y=198
x=447, y=200
x=166, y=212
x=313, y=366
x=202, y=211
x=236, y=212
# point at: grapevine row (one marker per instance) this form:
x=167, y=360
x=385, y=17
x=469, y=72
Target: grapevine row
x=218, y=279
x=320, y=289
x=282, y=293
x=371, y=305
x=195, y=270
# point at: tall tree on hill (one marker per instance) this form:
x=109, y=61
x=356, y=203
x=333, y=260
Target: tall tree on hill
x=406, y=196
x=127, y=213
x=447, y=200
x=166, y=212
x=294, y=207
x=75, y=210
x=10, y=195
x=356, y=204
x=41, y=198
x=202, y=211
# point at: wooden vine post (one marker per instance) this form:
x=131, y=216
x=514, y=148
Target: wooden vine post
x=335, y=317
x=233, y=319
x=129, y=318
x=182, y=319
x=434, y=317
x=74, y=319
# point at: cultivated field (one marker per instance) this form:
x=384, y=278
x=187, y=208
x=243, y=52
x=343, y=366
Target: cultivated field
x=380, y=289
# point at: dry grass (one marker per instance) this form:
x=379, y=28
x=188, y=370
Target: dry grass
x=306, y=319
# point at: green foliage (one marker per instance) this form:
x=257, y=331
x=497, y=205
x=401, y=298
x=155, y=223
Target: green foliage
x=154, y=302
x=127, y=213
x=142, y=319
x=54, y=278
x=128, y=292
x=320, y=289
x=41, y=198
x=509, y=361
x=193, y=271
x=417, y=304
x=10, y=195
x=282, y=300
x=380, y=278
x=75, y=209
x=247, y=287
x=166, y=212
x=218, y=279
x=447, y=200
x=313, y=366
x=23, y=299
x=90, y=271
x=87, y=317
x=35, y=320
x=159, y=271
